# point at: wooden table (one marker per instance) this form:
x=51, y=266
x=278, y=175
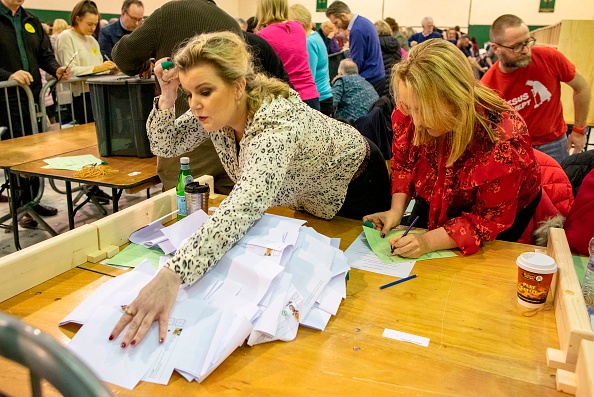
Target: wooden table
x=134, y=174
x=46, y=144
x=41, y=146
x=481, y=343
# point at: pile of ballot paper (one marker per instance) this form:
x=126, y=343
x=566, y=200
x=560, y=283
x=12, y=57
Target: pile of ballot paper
x=282, y=274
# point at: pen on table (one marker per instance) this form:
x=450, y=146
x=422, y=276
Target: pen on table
x=407, y=230
x=398, y=281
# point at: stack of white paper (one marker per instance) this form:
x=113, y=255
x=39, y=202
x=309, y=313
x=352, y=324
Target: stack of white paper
x=280, y=275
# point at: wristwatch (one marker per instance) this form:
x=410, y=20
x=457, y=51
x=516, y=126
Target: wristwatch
x=582, y=130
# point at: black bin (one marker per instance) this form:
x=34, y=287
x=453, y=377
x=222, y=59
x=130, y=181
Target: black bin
x=121, y=106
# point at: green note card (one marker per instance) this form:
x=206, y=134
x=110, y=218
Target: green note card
x=580, y=263
x=133, y=254
x=381, y=247
x=72, y=163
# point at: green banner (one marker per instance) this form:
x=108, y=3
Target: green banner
x=322, y=5
x=547, y=6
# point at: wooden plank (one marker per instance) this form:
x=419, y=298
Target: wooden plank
x=38, y=263
x=116, y=228
x=580, y=383
x=584, y=372
x=575, y=42
x=573, y=322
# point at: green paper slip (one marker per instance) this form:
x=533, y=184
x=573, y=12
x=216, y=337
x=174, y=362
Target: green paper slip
x=580, y=263
x=72, y=163
x=381, y=247
x=133, y=254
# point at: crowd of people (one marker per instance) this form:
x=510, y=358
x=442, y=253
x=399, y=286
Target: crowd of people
x=254, y=104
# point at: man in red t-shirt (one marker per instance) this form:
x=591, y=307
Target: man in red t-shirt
x=529, y=79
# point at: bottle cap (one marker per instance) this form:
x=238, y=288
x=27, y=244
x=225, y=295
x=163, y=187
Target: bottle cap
x=167, y=65
x=196, y=187
x=184, y=160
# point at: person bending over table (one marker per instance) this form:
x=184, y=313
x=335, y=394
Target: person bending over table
x=461, y=151
x=277, y=150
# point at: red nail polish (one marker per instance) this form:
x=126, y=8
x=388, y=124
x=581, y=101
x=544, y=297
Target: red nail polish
x=133, y=342
x=110, y=337
x=123, y=345
x=161, y=340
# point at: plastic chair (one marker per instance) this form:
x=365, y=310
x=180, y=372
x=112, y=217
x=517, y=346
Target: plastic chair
x=47, y=359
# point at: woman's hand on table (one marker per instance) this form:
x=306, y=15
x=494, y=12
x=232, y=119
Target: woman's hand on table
x=153, y=303
x=384, y=221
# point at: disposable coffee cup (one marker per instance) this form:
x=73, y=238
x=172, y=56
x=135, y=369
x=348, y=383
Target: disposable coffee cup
x=535, y=273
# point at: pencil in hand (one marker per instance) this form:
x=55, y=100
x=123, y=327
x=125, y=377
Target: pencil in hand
x=412, y=224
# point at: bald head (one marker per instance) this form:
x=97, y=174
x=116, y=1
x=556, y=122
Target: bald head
x=347, y=66
x=497, y=31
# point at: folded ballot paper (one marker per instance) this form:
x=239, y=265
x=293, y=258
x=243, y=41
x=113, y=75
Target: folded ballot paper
x=282, y=274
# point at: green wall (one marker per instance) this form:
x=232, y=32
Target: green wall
x=481, y=32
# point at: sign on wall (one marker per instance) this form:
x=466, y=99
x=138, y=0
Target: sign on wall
x=547, y=6
x=321, y=5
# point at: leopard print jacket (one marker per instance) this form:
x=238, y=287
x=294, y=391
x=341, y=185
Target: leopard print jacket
x=290, y=155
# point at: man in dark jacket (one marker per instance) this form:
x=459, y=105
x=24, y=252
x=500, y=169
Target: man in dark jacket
x=132, y=17
x=157, y=38
x=25, y=48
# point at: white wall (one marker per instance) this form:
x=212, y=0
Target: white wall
x=448, y=13
x=406, y=12
x=114, y=6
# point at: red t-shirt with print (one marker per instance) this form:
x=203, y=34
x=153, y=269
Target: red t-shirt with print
x=535, y=92
x=478, y=196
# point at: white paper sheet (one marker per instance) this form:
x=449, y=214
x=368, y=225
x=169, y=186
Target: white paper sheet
x=182, y=230
x=360, y=256
x=111, y=363
x=150, y=232
x=316, y=319
x=131, y=282
x=404, y=337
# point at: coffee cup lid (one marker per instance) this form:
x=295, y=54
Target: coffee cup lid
x=537, y=263
x=196, y=187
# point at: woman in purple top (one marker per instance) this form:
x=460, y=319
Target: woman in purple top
x=288, y=39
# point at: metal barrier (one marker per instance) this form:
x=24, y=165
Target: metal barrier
x=47, y=360
x=65, y=94
x=14, y=99
x=5, y=87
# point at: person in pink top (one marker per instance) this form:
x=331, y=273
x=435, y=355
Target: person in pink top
x=288, y=40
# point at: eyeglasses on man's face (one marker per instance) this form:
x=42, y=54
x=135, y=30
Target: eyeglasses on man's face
x=518, y=48
x=135, y=20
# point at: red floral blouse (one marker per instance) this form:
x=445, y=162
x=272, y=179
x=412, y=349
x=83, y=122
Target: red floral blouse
x=478, y=196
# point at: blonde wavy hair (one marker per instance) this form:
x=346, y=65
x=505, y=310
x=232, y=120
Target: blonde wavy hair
x=272, y=11
x=448, y=94
x=59, y=26
x=227, y=53
x=299, y=13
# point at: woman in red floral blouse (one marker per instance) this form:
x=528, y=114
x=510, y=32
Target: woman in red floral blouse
x=461, y=152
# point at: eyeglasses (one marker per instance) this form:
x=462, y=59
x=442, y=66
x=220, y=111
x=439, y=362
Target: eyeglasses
x=518, y=48
x=135, y=20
